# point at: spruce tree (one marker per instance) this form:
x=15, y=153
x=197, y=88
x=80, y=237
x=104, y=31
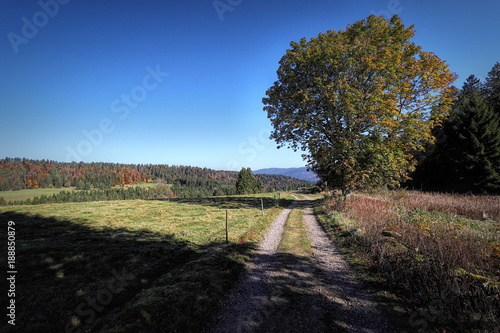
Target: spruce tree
x=259, y=187
x=492, y=88
x=466, y=158
x=246, y=183
x=473, y=143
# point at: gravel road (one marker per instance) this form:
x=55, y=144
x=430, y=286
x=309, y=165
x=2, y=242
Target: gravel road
x=283, y=292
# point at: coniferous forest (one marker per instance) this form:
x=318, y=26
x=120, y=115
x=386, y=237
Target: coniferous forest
x=466, y=155
x=105, y=181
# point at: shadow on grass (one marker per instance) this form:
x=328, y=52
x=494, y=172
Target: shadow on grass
x=236, y=202
x=73, y=278
x=287, y=293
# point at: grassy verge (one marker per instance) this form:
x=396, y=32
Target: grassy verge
x=129, y=266
x=295, y=240
x=438, y=268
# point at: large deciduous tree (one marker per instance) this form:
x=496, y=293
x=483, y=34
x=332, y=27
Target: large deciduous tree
x=359, y=102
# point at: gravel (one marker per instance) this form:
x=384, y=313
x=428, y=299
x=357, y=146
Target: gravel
x=246, y=306
x=357, y=312
x=290, y=293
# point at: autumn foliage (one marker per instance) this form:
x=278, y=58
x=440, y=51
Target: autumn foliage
x=185, y=181
x=360, y=102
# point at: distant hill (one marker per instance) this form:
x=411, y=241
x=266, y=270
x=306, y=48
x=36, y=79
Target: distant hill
x=299, y=173
x=185, y=181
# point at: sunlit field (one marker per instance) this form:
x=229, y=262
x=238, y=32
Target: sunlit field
x=430, y=248
x=123, y=266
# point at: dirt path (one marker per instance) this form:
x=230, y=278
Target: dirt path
x=286, y=292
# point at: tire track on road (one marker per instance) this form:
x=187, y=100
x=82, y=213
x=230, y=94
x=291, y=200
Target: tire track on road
x=247, y=306
x=287, y=292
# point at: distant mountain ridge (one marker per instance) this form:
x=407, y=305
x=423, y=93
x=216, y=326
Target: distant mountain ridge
x=299, y=173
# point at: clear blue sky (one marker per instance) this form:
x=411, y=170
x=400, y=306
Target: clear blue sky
x=181, y=82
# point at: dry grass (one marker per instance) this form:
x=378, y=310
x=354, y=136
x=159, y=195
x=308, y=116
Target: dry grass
x=477, y=207
x=430, y=248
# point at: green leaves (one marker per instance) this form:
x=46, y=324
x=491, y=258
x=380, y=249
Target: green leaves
x=467, y=158
x=359, y=101
x=247, y=184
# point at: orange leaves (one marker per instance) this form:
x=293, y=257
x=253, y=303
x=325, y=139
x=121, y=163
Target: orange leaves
x=365, y=95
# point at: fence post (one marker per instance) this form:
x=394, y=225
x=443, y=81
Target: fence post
x=227, y=238
x=262, y=205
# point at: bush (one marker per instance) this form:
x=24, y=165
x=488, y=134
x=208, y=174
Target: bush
x=160, y=191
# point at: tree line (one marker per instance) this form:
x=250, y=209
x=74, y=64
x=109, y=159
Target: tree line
x=105, y=181
x=370, y=108
x=466, y=154
x=17, y=174
x=130, y=193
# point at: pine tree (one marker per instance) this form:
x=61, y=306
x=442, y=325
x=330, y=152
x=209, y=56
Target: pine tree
x=492, y=88
x=467, y=156
x=259, y=187
x=473, y=143
x=246, y=183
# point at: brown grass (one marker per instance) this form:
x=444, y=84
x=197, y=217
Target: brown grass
x=477, y=207
x=432, y=249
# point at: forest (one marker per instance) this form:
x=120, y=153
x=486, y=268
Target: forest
x=465, y=157
x=102, y=181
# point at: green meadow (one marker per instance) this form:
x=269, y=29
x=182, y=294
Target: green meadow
x=122, y=266
x=23, y=195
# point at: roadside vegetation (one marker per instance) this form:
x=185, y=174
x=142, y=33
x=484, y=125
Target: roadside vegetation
x=138, y=265
x=295, y=240
x=435, y=257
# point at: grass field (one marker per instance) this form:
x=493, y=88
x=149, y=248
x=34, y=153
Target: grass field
x=144, y=185
x=436, y=255
x=129, y=266
x=23, y=195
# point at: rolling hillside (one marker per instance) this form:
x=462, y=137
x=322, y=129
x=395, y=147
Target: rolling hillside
x=299, y=173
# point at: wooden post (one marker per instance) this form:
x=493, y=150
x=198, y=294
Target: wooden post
x=227, y=238
x=262, y=205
